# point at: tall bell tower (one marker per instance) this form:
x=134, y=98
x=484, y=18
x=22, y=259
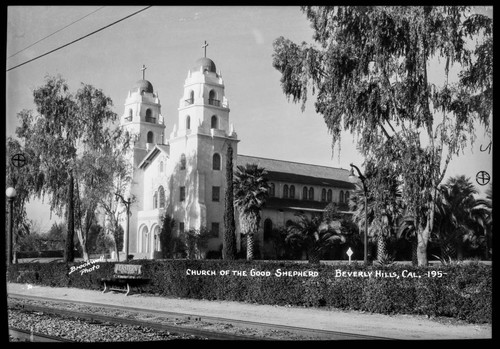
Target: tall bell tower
x=143, y=120
x=198, y=148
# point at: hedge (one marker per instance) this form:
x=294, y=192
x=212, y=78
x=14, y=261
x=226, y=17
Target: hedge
x=463, y=292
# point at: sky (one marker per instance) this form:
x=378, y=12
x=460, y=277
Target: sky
x=168, y=40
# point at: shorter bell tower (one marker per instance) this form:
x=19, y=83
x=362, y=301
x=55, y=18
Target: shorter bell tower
x=143, y=120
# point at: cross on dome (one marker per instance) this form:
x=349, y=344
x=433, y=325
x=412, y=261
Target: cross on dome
x=204, y=46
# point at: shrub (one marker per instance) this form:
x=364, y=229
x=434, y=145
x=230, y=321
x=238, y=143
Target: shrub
x=464, y=291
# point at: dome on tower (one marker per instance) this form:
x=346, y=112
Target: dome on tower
x=143, y=85
x=206, y=63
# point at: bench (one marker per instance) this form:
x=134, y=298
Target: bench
x=125, y=275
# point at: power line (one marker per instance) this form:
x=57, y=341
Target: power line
x=83, y=37
x=78, y=20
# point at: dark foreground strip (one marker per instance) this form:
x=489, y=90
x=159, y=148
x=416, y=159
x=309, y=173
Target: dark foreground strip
x=35, y=337
x=319, y=334
x=98, y=319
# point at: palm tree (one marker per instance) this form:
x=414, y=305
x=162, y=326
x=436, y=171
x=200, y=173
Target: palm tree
x=458, y=215
x=314, y=235
x=483, y=221
x=251, y=190
x=384, y=210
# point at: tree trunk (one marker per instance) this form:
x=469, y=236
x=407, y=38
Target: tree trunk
x=381, y=248
x=250, y=246
x=69, y=255
x=423, y=239
x=314, y=256
x=414, y=253
x=84, y=252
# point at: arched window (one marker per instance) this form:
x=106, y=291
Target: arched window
x=161, y=166
x=150, y=137
x=130, y=114
x=346, y=197
x=329, y=195
x=155, y=200
x=161, y=194
x=292, y=192
x=285, y=191
x=304, y=193
x=341, y=199
x=268, y=228
x=191, y=97
x=214, y=122
x=211, y=95
x=311, y=193
x=149, y=116
x=145, y=240
x=157, y=243
x=271, y=189
x=216, y=162
x=323, y=194
x=183, y=161
x=188, y=122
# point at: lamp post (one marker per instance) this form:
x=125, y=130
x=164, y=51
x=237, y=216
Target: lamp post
x=11, y=194
x=127, y=205
x=353, y=179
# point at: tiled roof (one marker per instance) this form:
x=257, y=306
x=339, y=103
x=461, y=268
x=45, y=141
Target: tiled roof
x=296, y=172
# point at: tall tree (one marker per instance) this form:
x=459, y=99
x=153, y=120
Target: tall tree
x=96, y=173
x=251, y=190
x=22, y=178
x=370, y=69
x=55, y=137
x=167, y=236
x=229, y=240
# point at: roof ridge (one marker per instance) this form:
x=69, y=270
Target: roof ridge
x=295, y=162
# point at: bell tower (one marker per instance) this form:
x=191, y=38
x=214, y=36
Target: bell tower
x=143, y=120
x=142, y=117
x=200, y=140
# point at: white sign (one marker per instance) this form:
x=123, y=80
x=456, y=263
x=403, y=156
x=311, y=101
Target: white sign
x=349, y=253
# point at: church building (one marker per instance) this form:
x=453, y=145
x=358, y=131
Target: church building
x=184, y=175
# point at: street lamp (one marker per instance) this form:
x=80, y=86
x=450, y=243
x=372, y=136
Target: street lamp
x=11, y=194
x=127, y=205
x=353, y=179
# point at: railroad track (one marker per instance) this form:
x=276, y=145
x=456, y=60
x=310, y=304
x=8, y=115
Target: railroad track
x=316, y=333
x=104, y=319
x=30, y=336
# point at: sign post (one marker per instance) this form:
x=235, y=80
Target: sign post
x=349, y=253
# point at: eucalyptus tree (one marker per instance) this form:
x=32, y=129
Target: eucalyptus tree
x=251, y=190
x=54, y=137
x=372, y=71
x=22, y=178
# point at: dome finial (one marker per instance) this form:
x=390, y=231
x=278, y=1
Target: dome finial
x=143, y=72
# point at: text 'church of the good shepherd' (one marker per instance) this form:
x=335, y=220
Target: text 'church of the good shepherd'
x=184, y=175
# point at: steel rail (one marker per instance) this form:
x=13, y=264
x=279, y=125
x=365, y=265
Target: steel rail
x=319, y=333
x=35, y=336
